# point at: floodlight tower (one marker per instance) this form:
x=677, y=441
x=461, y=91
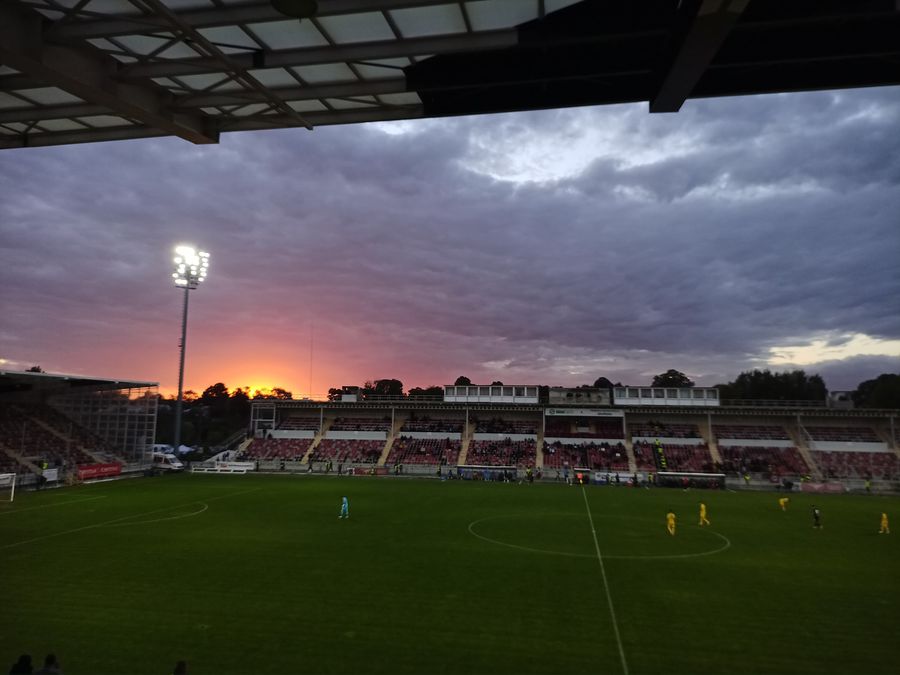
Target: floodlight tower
x=191, y=267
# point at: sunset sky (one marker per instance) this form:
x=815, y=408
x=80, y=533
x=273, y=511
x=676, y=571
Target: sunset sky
x=534, y=248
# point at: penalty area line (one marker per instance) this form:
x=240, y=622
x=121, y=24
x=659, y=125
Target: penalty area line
x=612, y=610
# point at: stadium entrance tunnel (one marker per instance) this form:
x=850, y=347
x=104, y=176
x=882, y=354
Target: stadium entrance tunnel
x=620, y=536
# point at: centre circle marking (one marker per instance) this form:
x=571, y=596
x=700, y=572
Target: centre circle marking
x=673, y=556
x=203, y=507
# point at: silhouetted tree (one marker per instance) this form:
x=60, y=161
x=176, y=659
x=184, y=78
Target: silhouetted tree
x=462, y=381
x=35, y=369
x=388, y=388
x=496, y=383
x=793, y=385
x=672, y=378
x=334, y=394
x=604, y=383
x=881, y=392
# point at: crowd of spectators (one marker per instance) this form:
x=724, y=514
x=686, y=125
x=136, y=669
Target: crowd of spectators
x=361, y=424
x=495, y=425
x=276, y=448
x=773, y=462
x=502, y=453
x=591, y=455
x=844, y=434
x=439, y=425
x=692, y=458
x=424, y=451
x=347, y=451
x=654, y=429
x=870, y=465
x=562, y=427
x=751, y=432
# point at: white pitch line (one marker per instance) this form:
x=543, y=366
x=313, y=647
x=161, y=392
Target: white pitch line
x=47, y=506
x=612, y=611
x=116, y=520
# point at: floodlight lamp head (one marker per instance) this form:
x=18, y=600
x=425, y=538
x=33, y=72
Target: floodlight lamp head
x=191, y=266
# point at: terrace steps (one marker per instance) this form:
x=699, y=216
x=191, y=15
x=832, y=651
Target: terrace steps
x=466, y=439
x=711, y=442
x=326, y=425
x=803, y=448
x=629, y=452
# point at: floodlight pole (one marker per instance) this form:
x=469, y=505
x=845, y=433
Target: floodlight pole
x=184, y=316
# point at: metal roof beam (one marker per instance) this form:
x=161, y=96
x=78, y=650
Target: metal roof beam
x=89, y=77
x=252, y=12
x=705, y=34
x=71, y=137
x=339, y=90
x=363, y=51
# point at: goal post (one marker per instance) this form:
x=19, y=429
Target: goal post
x=7, y=487
x=685, y=479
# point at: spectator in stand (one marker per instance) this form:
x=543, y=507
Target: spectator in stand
x=22, y=666
x=51, y=666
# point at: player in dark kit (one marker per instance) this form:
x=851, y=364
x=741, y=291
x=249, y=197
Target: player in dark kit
x=817, y=517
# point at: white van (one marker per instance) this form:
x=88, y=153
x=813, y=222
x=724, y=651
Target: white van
x=167, y=461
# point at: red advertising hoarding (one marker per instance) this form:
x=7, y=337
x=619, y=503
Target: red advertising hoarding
x=88, y=471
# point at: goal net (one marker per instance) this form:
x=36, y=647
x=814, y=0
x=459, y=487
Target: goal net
x=7, y=487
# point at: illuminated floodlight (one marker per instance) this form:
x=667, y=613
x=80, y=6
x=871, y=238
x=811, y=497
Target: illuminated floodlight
x=191, y=268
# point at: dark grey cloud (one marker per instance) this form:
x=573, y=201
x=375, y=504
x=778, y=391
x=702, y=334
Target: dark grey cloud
x=550, y=247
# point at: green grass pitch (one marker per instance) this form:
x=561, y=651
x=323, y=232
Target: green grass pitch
x=256, y=574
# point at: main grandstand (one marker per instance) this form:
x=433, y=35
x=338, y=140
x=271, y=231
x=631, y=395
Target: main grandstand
x=75, y=425
x=627, y=433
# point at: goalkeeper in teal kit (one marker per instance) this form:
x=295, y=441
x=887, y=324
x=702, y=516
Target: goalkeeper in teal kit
x=345, y=508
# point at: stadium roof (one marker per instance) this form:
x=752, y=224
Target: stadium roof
x=74, y=71
x=16, y=382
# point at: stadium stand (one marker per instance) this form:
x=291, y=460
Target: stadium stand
x=560, y=427
x=751, y=432
x=843, y=434
x=276, y=448
x=348, y=450
x=437, y=425
x=593, y=456
x=872, y=465
x=361, y=424
x=660, y=430
x=693, y=458
x=500, y=426
x=772, y=461
x=294, y=423
x=644, y=457
x=502, y=453
x=424, y=451
x=558, y=455
x=23, y=430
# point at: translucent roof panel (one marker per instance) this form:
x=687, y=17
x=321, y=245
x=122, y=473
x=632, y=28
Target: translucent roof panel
x=422, y=21
x=5, y=131
x=144, y=44
x=355, y=102
x=178, y=51
x=405, y=98
x=274, y=77
x=200, y=82
x=251, y=109
x=6, y=70
x=7, y=101
x=365, y=27
x=188, y=4
x=230, y=39
x=288, y=34
x=327, y=72
x=111, y=7
x=60, y=125
x=556, y=5
x=497, y=14
x=313, y=105
x=49, y=96
x=104, y=121
x=382, y=69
